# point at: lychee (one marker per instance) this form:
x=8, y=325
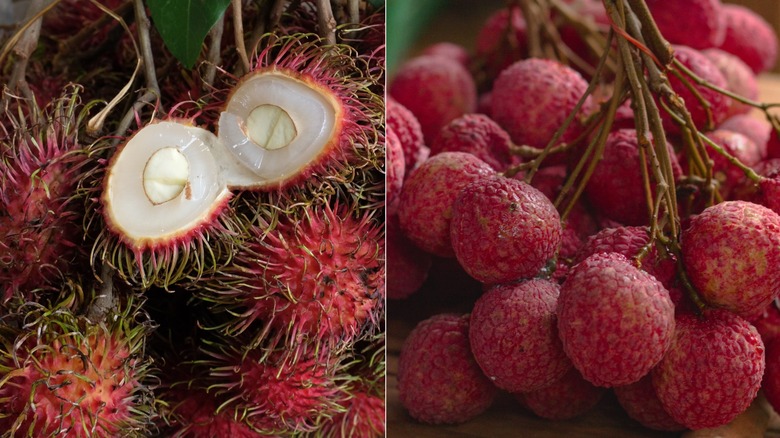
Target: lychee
x=449, y=50
x=676, y=18
x=641, y=403
x=566, y=398
x=407, y=265
x=501, y=41
x=615, y=321
x=394, y=172
x=407, y=128
x=740, y=79
x=438, y=379
x=771, y=381
x=751, y=127
x=750, y=37
x=503, y=230
x=478, y=135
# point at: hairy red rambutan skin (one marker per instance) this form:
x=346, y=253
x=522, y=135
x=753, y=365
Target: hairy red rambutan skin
x=501, y=41
x=566, y=398
x=731, y=252
x=676, y=18
x=364, y=417
x=318, y=278
x=750, y=37
x=713, y=370
x=194, y=414
x=630, y=241
x=449, y=50
x=407, y=265
x=740, y=79
x=478, y=135
x=536, y=97
x=615, y=321
x=436, y=90
x=407, y=128
x=503, y=229
x=439, y=382
x=394, y=172
x=770, y=382
x=751, y=127
x=641, y=403
x=616, y=189
x=425, y=204
x=719, y=104
x=514, y=337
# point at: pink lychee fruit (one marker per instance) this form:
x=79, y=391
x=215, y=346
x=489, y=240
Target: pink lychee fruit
x=407, y=128
x=566, y=398
x=771, y=380
x=449, y=50
x=438, y=379
x=536, y=97
x=514, y=337
x=738, y=146
x=407, y=265
x=501, y=41
x=436, y=90
x=549, y=180
x=768, y=324
x=740, y=79
x=751, y=127
x=676, y=18
x=750, y=37
x=503, y=229
x=641, y=403
x=712, y=371
x=478, y=135
x=395, y=169
x=731, y=253
x=425, y=203
x=615, y=321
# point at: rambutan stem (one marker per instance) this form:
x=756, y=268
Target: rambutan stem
x=215, y=51
x=103, y=303
x=326, y=21
x=146, y=46
x=238, y=31
x=25, y=47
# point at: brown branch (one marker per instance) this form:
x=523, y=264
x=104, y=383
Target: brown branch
x=326, y=21
x=238, y=31
x=215, y=51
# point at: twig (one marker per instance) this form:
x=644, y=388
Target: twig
x=25, y=47
x=215, y=51
x=146, y=46
x=238, y=30
x=327, y=23
x=70, y=45
x=104, y=302
x=354, y=11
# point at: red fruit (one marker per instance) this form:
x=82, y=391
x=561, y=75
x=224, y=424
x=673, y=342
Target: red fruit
x=449, y=50
x=364, y=416
x=768, y=324
x=406, y=127
x=395, y=171
x=407, y=265
x=740, y=79
x=737, y=145
x=677, y=18
x=771, y=380
x=568, y=397
x=478, y=135
x=501, y=41
x=194, y=413
x=616, y=189
x=615, y=321
x=641, y=403
x=751, y=127
x=749, y=37
x=719, y=104
x=731, y=252
x=549, y=181
x=533, y=97
x=425, y=205
x=712, y=371
x=503, y=230
x=436, y=90
x=514, y=338
x=438, y=379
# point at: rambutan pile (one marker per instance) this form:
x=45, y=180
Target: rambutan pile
x=192, y=249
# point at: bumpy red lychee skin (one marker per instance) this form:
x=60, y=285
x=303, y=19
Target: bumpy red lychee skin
x=407, y=128
x=615, y=321
x=731, y=252
x=740, y=79
x=449, y=50
x=478, y=135
x=676, y=18
x=407, y=265
x=395, y=169
x=768, y=324
x=503, y=230
x=436, y=90
x=438, y=379
x=751, y=127
x=630, y=241
x=767, y=190
x=536, y=97
x=641, y=403
x=549, y=180
x=712, y=371
x=737, y=145
x=749, y=37
x=501, y=40
x=566, y=398
x=514, y=337
x=771, y=380
x=425, y=204
x=719, y=104
x=616, y=188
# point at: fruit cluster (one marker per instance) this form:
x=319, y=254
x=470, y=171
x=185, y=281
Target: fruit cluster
x=209, y=263
x=605, y=173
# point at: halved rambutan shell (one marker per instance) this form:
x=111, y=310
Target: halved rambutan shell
x=305, y=109
x=164, y=205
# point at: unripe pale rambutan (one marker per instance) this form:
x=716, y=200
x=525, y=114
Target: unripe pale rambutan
x=41, y=162
x=64, y=375
x=309, y=280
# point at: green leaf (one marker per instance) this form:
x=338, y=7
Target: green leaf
x=184, y=24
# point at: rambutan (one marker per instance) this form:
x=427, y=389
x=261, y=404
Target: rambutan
x=64, y=375
x=193, y=413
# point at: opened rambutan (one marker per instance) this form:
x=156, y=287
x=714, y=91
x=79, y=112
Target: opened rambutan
x=312, y=279
x=67, y=376
x=41, y=160
x=305, y=109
